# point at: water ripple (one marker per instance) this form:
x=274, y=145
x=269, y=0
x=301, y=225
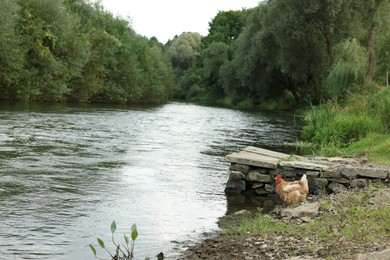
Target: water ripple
x=67, y=172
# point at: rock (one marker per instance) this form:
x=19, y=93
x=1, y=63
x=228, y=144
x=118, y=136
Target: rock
x=330, y=174
x=352, y=172
x=258, y=177
x=339, y=180
x=257, y=185
x=312, y=174
x=236, y=175
x=234, y=219
x=253, y=159
x=235, y=186
x=304, y=165
x=347, y=171
x=261, y=191
x=240, y=168
x=317, y=185
x=336, y=187
x=305, y=210
x=285, y=173
x=270, y=188
x=380, y=198
x=372, y=172
x=306, y=219
x=358, y=183
x=382, y=255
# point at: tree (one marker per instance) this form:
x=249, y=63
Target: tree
x=184, y=49
x=11, y=51
x=225, y=27
x=213, y=58
x=348, y=70
x=370, y=10
x=54, y=52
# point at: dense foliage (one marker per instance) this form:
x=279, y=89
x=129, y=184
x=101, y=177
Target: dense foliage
x=278, y=54
x=74, y=50
x=294, y=50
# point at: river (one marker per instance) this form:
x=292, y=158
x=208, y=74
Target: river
x=68, y=171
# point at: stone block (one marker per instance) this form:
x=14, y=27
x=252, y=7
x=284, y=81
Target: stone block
x=270, y=188
x=312, y=174
x=240, y=168
x=254, y=175
x=339, y=180
x=261, y=191
x=376, y=173
x=236, y=175
x=256, y=185
x=235, y=186
x=336, y=187
x=352, y=172
x=347, y=171
x=317, y=185
x=330, y=174
x=358, y=183
x=305, y=210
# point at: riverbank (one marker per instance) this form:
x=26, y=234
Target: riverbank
x=348, y=224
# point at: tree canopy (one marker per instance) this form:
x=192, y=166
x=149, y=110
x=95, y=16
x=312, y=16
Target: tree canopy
x=74, y=50
x=309, y=50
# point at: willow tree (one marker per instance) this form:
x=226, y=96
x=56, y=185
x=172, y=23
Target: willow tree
x=348, y=71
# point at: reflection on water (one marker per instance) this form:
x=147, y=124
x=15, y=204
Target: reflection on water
x=67, y=171
x=251, y=203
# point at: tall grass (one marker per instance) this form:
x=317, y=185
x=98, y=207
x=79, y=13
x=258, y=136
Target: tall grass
x=331, y=129
x=344, y=130
x=317, y=118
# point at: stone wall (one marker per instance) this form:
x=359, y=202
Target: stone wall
x=254, y=169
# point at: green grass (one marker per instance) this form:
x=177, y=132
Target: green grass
x=360, y=127
x=266, y=226
x=375, y=146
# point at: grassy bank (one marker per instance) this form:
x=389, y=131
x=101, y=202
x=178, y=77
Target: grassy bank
x=358, y=126
x=349, y=223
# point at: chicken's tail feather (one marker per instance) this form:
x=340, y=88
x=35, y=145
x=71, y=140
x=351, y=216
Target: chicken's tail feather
x=304, y=181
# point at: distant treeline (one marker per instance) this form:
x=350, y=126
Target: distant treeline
x=74, y=50
x=280, y=53
x=288, y=51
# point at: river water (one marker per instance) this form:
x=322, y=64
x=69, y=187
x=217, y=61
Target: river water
x=66, y=172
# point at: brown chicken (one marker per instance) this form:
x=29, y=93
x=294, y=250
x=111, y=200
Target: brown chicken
x=292, y=192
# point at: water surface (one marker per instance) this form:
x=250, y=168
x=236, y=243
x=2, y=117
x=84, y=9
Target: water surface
x=66, y=172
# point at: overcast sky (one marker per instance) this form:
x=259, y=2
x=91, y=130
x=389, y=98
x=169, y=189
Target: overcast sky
x=166, y=18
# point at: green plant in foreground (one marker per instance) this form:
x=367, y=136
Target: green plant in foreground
x=125, y=251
